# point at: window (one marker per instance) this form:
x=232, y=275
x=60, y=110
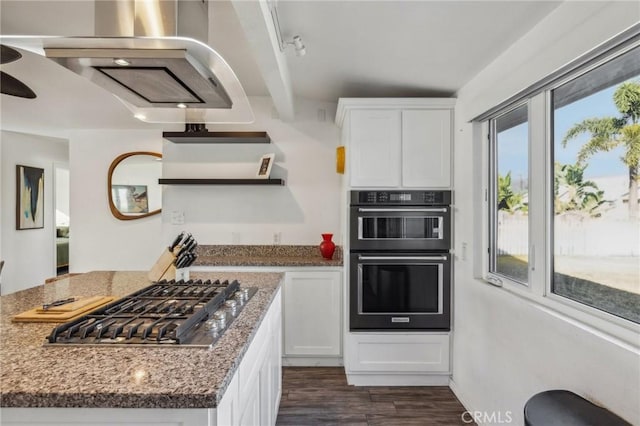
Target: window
x=563, y=173
x=509, y=254
x=596, y=149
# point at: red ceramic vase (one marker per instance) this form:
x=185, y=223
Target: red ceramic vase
x=327, y=247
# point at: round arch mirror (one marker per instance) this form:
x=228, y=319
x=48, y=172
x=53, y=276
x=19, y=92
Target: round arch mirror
x=133, y=187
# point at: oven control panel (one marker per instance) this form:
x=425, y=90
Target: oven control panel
x=414, y=198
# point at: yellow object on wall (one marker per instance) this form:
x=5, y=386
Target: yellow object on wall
x=340, y=160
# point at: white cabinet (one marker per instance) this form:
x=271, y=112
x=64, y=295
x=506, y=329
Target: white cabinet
x=259, y=374
x=397, y=358
x=374, y=148
x=312, y=314
x=228, y=410
x=426, y=148
x=397, y=143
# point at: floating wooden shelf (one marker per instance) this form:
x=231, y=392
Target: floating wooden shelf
x=217, y=137
x=221, y=181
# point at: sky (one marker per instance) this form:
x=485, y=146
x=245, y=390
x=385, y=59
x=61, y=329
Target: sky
x=512, y=147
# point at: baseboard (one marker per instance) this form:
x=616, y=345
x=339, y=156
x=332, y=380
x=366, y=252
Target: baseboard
x=311, y=362
x=368, y=379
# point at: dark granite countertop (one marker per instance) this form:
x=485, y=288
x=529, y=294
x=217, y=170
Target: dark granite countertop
x=34, y=375
x=280, y=256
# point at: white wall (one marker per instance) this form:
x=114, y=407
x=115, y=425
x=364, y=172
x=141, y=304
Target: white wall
x=506, y=349
x=98, y=240
x=308, y=204
x=303, y=209
x=62, y=195
x=28, y=254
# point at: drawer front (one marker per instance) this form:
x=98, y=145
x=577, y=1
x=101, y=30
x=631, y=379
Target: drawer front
x=399, y=353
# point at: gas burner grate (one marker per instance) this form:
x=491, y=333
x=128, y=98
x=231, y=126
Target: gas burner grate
x=191, y=313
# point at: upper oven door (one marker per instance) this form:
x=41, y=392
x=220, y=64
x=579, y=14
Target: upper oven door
x=400, y=228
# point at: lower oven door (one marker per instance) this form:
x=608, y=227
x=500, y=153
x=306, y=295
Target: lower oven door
x=399, y=291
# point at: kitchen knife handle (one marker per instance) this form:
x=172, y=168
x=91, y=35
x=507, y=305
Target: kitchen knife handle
x=58, y=303
x=176, y=241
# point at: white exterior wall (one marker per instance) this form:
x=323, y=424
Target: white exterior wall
x=507, y=348
x=29, y=254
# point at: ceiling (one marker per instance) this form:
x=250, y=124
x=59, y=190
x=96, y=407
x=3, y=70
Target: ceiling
x=354, y=49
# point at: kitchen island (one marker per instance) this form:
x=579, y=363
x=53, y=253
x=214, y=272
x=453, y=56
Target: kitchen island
x=237, y=379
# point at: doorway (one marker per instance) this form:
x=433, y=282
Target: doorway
x=62, y=219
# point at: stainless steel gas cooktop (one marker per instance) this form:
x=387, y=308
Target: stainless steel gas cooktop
x=167, y=313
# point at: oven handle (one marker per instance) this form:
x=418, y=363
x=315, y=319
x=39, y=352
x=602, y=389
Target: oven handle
x=428, y=210
x=402, y=257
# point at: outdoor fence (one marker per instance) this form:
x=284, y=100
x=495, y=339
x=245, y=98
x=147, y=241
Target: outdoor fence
x=574, y=236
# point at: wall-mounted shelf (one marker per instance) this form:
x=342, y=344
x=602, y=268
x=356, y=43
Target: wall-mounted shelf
x=217, y=137
x=221, y=181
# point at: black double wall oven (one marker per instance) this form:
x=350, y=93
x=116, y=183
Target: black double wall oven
x=400, y=261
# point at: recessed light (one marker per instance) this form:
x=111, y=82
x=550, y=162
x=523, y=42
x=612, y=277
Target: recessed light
x=181, y=105
x=140, y=116
x=122, y=62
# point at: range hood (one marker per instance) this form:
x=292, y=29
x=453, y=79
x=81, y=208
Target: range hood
x=166, y=78
x=153, y=56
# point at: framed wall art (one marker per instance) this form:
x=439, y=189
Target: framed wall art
x=264, y=169
x=29, y=197
x=130, y=198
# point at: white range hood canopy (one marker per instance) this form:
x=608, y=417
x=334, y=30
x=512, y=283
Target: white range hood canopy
x=145, y=53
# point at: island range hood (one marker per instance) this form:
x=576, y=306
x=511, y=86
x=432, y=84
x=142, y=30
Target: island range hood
x=161, y=78
x=154, y=57
x=153, y=76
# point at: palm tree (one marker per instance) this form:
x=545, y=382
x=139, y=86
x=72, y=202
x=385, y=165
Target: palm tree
x=608, y=133
x=507, y=199
x=573, y=193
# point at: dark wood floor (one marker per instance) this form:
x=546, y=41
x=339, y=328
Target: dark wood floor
x=321, y=396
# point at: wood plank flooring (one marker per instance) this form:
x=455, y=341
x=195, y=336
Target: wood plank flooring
x=321, y=396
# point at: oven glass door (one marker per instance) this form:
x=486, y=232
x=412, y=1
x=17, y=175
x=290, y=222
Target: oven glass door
x=391, y=288
x=401, y=228
x=399, y=291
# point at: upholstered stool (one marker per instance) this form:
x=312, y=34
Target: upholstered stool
x=564, y=408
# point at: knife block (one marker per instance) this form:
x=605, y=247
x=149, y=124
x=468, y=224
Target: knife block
x=164, y=269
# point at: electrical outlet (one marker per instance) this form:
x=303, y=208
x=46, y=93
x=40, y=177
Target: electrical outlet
x=277, y=236
x=464, y=251
x=177, y=217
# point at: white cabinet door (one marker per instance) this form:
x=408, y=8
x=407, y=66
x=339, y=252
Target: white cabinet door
x=228, y=410
x=374, y=148
x=251, y=411
x=276, y=362
x=426, y=148
x=312, y=314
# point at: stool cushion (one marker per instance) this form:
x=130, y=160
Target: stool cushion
x=565, y=408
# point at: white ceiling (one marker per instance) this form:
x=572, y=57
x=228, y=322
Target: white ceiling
x=400, y=48
x=354, y=49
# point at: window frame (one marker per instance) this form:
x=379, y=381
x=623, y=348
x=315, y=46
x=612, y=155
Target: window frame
x=549, y=232
x=492, y=156
x=541, y=209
